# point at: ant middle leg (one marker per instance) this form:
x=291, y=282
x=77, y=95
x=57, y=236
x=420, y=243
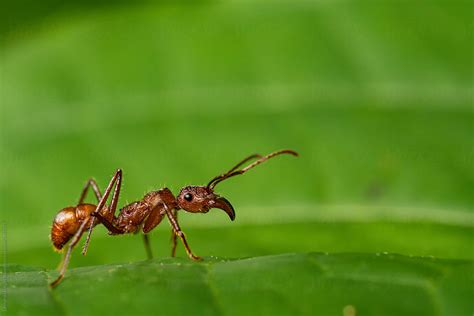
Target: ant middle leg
x=146, y=242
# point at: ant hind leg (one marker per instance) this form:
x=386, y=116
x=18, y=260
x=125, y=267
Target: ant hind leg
x=117, y=181
x=67, y=257
x=90, y=184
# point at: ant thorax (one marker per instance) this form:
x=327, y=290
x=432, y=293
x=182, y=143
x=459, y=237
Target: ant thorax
x=163, y=196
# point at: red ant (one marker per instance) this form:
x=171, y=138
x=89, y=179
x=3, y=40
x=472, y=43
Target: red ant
x=71, y=222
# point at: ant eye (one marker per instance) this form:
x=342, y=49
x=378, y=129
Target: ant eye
x=188, y=197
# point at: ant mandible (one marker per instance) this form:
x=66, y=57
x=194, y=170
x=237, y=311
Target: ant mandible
x=71, y=222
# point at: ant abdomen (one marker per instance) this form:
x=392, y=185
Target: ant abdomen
x=67, y=222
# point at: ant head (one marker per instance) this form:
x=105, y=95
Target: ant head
x=200, y=199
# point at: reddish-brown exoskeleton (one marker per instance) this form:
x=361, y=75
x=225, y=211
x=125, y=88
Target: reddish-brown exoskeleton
x=71, y=222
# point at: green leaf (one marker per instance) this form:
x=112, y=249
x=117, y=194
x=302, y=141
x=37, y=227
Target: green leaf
x=289, y=284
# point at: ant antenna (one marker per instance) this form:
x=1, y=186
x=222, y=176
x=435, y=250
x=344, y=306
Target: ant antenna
x=236, y=166
x=212, y=184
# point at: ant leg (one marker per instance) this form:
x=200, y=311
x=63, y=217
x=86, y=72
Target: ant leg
x=117, y=178
x=174, y=240
x=173, y=235
x=90, y=183
x=75, y=239
x=179, y=232
x=60, y=265
x=146, y=241
x=109, y=225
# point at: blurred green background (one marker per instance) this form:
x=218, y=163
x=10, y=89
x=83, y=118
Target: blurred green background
x=376, y=96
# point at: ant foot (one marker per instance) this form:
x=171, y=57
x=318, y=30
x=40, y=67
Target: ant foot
x=195, y=258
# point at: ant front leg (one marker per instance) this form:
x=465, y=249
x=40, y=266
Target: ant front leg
x=173, y=235
x=179, y=232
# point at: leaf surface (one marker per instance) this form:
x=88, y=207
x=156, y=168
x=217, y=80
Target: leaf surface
x=305, y=284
